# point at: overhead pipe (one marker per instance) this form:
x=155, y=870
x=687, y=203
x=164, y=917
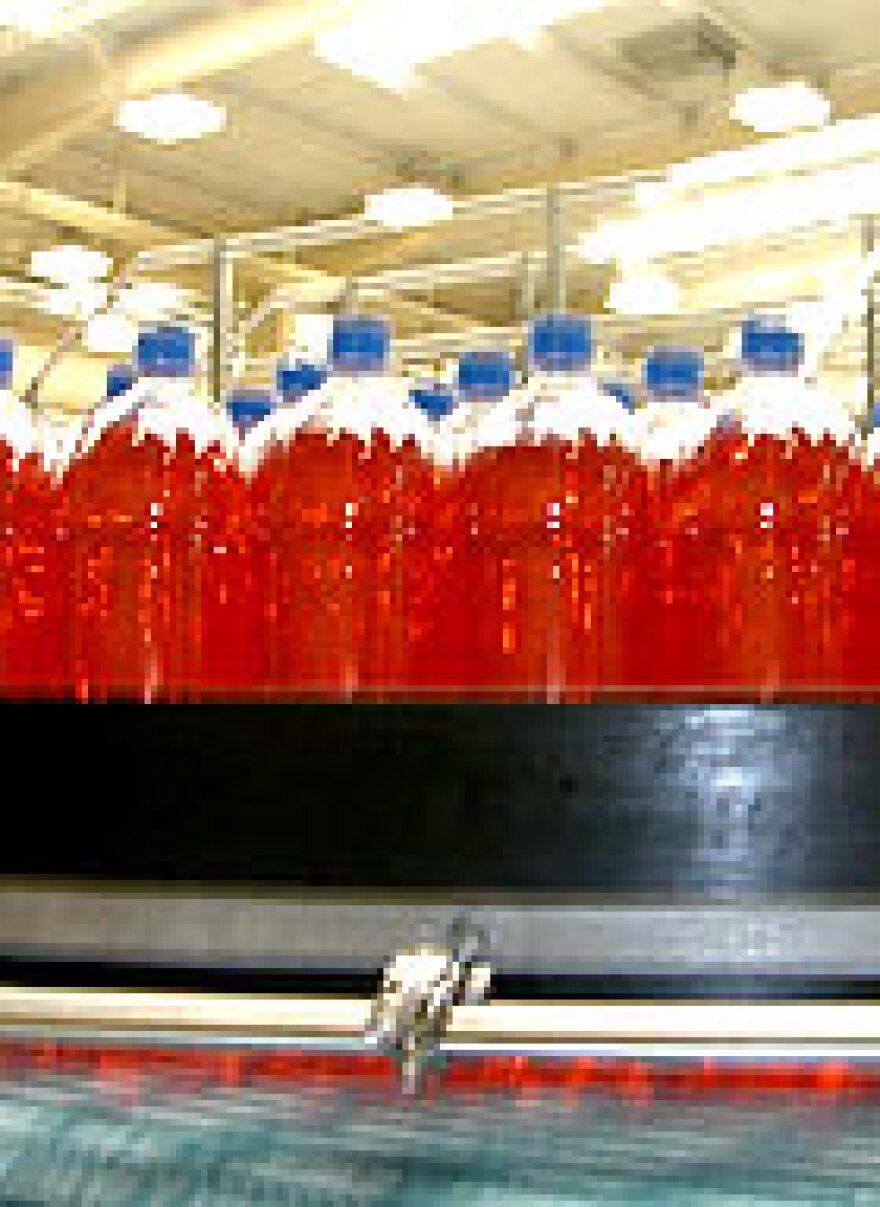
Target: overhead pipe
x=64, y=103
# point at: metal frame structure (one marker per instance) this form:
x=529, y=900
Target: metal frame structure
x=553, y=263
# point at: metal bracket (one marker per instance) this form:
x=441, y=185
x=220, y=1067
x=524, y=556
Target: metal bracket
x=420, y=988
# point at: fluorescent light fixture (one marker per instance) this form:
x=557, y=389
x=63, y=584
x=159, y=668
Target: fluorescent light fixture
x=410, y=206
x=110, y=335
x=392, y=39
x=744, y=215
x=835, y=144
x=150, y=301
x=36, y=18
x=170, y=117
x=795, y=105
x=69, y=264
x=75, y=300
x=644, y=293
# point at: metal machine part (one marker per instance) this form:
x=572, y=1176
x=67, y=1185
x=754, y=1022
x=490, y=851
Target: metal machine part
x=420, y=988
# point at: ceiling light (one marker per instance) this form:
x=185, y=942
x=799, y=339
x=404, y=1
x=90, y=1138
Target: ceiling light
x=835, y=144
x=44, y=18
x=76, y=300
x=170, y=117
x=744, y=215
x=410, y=206
x=110, y=335
x=150, y=301
x=37, y=17
x=69, y=264
x=388, y=43
x=644, y=293
x=792, y=106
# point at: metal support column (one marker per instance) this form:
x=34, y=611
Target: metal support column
x=224, y=319
x=348, y=301
x=526, y=306
x=869, y=242
x=555, y=252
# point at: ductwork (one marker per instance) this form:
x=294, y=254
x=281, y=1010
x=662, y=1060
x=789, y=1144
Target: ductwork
x=64, y=102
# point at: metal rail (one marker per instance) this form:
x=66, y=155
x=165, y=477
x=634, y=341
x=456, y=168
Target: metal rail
x=670, y=1030
x=534, y=935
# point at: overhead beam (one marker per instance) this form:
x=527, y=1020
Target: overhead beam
x=128, y=234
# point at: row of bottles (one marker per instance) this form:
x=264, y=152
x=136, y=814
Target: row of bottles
x=368, y=539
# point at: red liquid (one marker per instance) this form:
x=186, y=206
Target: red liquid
x=861, y=582
x=346, y=569
x=31, y=618
x=680, y=614
x=601, y=575
x=133, y=506
x=228, y=597
x=306, y=507
x=511, y=571
x=373, y=534
x=428, y=594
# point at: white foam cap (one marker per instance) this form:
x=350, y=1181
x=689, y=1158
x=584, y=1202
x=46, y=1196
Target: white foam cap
x=570, y=407
x=358, y=406
x=17, y=427
x=777, y=406
x=163, y=408
x=673, y=431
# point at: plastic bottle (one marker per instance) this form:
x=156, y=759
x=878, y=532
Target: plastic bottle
x=330, y=505
x=31, y=603
x=583, y=435
x=120, y=379
x=135, y=483
x=265, y=541
x=432, y=543
x=480, y=630
x=774, y=491
x=676, y=634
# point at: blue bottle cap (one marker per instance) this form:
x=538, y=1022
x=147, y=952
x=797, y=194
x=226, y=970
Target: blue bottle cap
x=434, y=399
x=673, y=374
x=360, y=344
x=295, y=380
x=623, y=392
x=120, y=379
x=485, y=376
x=166, y=351
x=7, y=363
x=247, y=407
x=769, y=346
x=560, y=343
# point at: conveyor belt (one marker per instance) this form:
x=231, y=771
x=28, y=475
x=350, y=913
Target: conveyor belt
x=70, y=1143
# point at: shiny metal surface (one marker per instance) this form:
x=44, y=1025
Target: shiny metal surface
x=593, y=936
